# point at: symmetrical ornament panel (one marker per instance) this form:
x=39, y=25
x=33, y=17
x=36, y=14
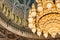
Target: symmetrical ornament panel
x=45, y=18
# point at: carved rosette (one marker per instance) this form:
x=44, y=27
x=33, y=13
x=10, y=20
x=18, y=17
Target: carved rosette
x=47, y=18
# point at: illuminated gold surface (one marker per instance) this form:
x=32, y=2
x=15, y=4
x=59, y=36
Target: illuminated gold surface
x=47, y=18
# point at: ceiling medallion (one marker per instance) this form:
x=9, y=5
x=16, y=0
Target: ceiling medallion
x=45, y=18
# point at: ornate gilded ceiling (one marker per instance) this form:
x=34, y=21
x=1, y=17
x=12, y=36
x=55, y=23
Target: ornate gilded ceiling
x=39, y=18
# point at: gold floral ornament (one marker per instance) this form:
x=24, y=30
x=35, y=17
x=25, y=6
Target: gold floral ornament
x=31, y=19
x=45, y=18
x=39, y=12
